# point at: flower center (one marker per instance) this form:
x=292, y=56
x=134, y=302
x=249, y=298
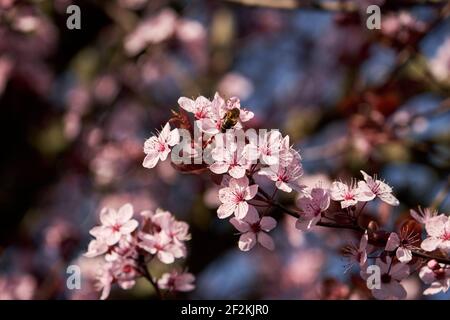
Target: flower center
x=239, y=196
x=446, y=236
x=349, y=196
x=127, y=269
x=162, y=147
x=116, y=227
x=200, y=115
x=386, y=278
x=255, y=228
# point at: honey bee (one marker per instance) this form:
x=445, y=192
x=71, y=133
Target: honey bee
x=230, y=119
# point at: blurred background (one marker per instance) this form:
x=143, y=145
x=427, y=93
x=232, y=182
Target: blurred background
x=77, y=105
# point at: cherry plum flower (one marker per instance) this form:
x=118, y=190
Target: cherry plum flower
x=115, y=224
x=357, y=254
x=177, y=281
x=96, y=248
x=234, y=198
x=18, y=287
x=178, y=231
x=200, y=107
x=286, y=178
x=350, y=195
x=244, y=114
x=438, y=229
x=125, y=256
x=162, y=246
x=213, y=123
x=158, y=147
x=105, y=279
x=379, y=189
x=440, y=62
x=311, y=206
x=391, y=274
x=254, y=229
x=151, y=30
x=125, y=272
x=437, y=275
x=423, y=215
x=229, y=157
x=267, y=148
x=400, y=246
x=126, y=248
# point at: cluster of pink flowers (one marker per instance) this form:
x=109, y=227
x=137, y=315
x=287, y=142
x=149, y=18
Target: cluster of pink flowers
x=243, y=160
x=127, y=246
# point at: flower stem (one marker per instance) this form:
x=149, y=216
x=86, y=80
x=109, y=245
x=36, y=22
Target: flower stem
x=147, y=275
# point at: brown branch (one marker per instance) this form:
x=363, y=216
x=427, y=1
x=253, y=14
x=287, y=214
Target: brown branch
x=146, y=274
x=355, y=227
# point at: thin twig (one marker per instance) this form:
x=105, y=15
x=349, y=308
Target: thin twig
x=150, y=279
x=355, y=227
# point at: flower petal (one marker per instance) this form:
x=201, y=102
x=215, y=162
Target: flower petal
x=125, y=213
x=151, y=159
x=225, y=210
x=241, y=210
x=240, y=225
x=265, y=240
x=247, y=241
x=393, y=242
x=129, y=226
x=268, y=223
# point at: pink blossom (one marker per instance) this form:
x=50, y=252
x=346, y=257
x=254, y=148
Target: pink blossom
x=438, y=229
x=391, y=274
x=17, y=287
x=311, y=204
x=350, y=195
x=105, y=279
x=96, y=248
x=166, y=222
x=401, y=26
x=234, y=198
x=158, y=147
x=437, y=275
x=267, y=148
x=254, y=229
x=244, y=114
x=440, y=63
x=191, y=31
x=379, y=189
x=124, y=249
x=200, y=107
x=177, y=281
x=162, y=246
x=213, y=124
x=152, y=30
x=286, y=177
x=357, y=254
x=229, y=157
x=125, y=272
x=402, y=250
x=236, y=84
x=423, y=215
x=115, y=224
